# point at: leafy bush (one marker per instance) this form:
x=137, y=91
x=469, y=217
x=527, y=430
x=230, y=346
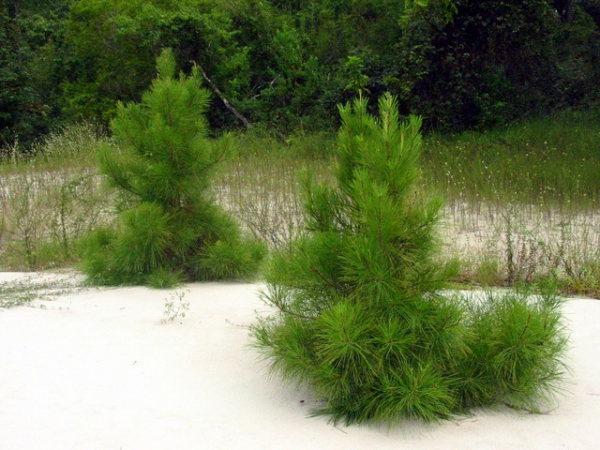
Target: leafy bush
x=360, y=315
x=168, y=219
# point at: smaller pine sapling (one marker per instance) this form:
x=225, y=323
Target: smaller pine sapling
x=170, y=228
x=360, y=317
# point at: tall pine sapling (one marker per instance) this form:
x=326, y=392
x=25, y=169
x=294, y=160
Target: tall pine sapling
x=360, y=317
x=170, y=228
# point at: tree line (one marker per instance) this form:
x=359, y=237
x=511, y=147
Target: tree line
x=284, y=65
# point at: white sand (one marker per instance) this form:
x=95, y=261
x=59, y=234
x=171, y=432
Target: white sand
x=99, y=370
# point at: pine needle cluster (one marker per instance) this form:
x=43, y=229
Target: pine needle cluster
x=360, y=315
x=170, y=228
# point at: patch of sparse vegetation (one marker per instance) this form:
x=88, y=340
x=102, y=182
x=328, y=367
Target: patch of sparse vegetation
x=49, y=200
x=31, y=289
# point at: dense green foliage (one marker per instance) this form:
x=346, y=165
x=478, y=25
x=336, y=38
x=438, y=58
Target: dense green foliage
x=497, y=61
x=170, y=227
x=28, y=101
x=284, y=65
x=361, y=318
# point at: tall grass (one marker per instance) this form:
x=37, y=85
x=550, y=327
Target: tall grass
x=260, y=186
x=552, y=162
x=49, y=199
x=522, y=203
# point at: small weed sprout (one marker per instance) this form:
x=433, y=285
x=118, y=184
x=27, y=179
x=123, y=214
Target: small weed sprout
x=176, y=306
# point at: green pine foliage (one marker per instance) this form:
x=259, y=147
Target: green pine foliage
x=170, y=228
x=360, y=317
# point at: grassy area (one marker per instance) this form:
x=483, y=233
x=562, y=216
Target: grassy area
x=522, y=203
x=49, y=200
x=261, y=185
x=550, y=162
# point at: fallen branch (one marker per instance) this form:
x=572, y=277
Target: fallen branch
x=228, y=105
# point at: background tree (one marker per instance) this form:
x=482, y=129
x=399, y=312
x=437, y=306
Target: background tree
x=491, y=62
x=114, y=44
x=28, y=89
x=170, y=227
x=361, y=319
x=461, y=64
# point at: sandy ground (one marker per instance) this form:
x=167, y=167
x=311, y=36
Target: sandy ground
x=99, y=369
